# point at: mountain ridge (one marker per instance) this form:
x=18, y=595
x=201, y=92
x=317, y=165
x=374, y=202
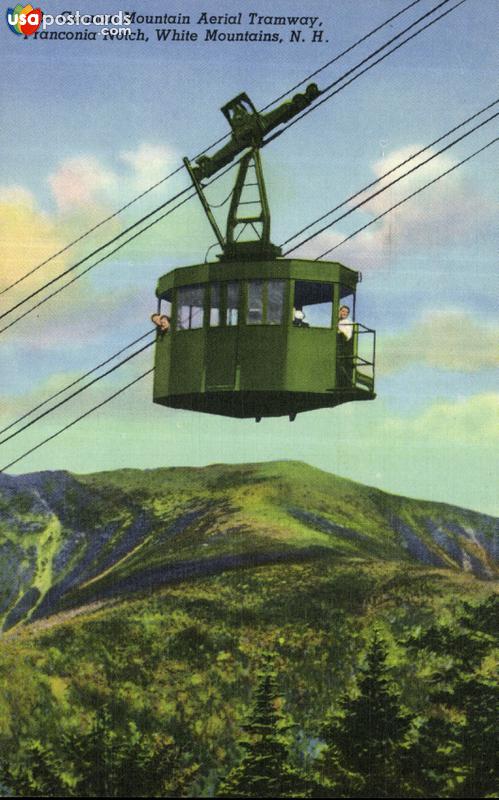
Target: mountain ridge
x=68, y=540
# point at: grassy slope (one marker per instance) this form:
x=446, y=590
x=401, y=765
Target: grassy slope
x=154, y=527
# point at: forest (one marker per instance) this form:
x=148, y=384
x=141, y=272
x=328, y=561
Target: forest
x=153, y=699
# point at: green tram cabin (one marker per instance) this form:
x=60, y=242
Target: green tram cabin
x=237, y=347
x=254, y=334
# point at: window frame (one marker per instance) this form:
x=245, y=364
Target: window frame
x=265, y=301
x=243, y=289
x=225, y=303
x=176, y=307
x=332, y=301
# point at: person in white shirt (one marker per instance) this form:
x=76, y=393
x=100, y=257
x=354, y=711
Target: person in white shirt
x=345, y=324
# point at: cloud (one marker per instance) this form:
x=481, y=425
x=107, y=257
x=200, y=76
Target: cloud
x=444, y=339
x=444, y=423
x=27, y=236
x=82, y=312
x=447, y=451
x=13, y=406
x=454, y=210
x=468, y=421
x=80, y=182
x=149, y=163
x=85, y=191
x=17, y=196
x=81, y=316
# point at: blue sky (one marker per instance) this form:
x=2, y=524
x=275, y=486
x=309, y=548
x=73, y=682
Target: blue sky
x=87, y=125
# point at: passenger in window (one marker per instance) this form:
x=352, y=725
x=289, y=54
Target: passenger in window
x=162, y=322
x=299, y=318
x=345, y=324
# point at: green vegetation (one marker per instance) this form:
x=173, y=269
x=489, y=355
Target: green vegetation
x=265, y=769
x=132, y=678
x=69, y=540
x=176, y=678
x=367, y=736
x=464, y=683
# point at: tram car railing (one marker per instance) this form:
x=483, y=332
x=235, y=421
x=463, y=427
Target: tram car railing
x=356, y=370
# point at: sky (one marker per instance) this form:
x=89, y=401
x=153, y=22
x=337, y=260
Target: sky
x=90, y=124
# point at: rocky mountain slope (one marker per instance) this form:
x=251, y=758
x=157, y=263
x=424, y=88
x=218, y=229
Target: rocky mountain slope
x=68, y=540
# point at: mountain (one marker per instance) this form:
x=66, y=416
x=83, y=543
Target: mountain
x=67, y=541
x=140, y=608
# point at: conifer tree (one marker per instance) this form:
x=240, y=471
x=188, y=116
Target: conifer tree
x=265, y=769
x=105, y=761
x=429, y=764
x=365, y=738
x=113, y=762
x=459, y=749
x=470, y=743
x=479, y=699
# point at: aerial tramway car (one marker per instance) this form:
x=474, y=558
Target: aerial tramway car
x=255, y=334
